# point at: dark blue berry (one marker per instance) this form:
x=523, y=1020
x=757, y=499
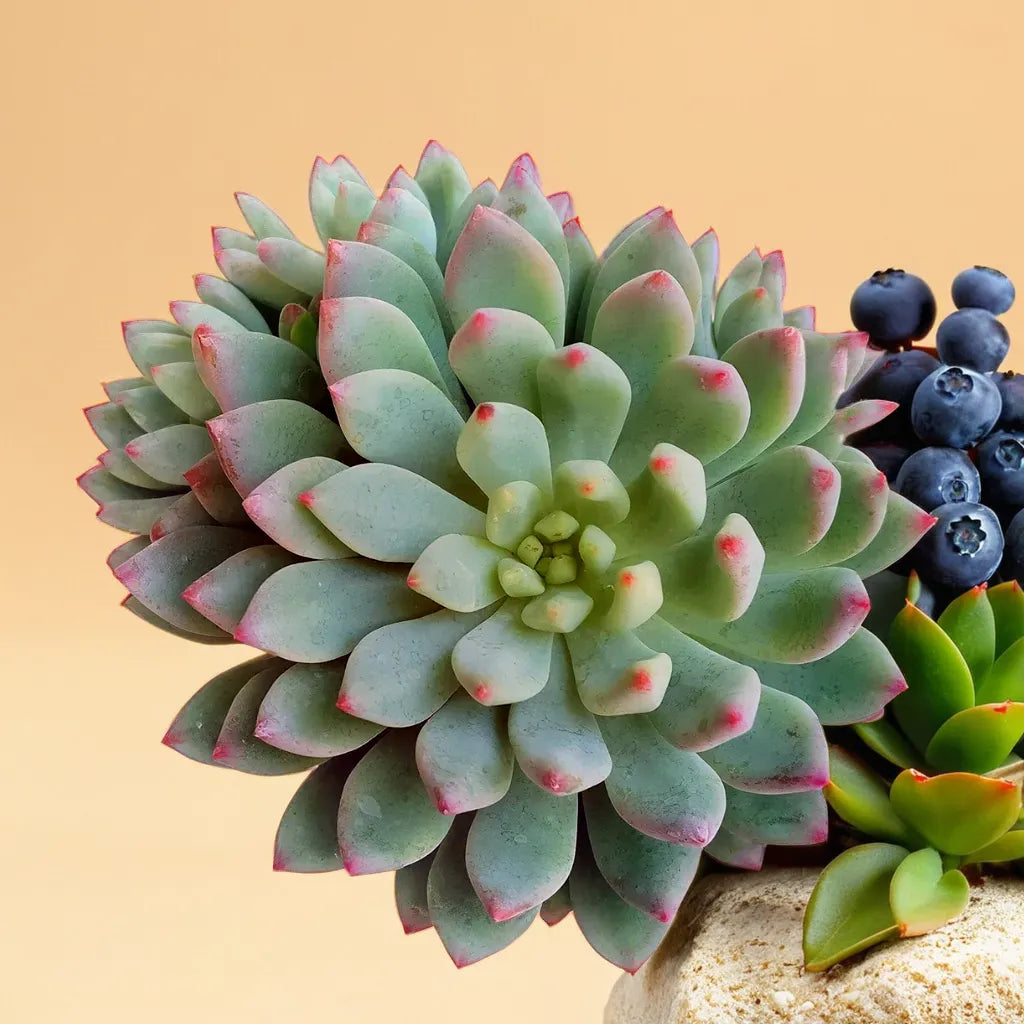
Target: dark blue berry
x=984, y=288
x=1011, y=389
x=973, y=338
x=962, y=549
x=1000, y=460
x=886, y=457
x=938, y=476
x=1013, y=557
x=955, y=407
x=894, y=307
x=893, y=377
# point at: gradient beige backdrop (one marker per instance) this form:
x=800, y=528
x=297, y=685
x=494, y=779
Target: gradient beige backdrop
x=136, y=886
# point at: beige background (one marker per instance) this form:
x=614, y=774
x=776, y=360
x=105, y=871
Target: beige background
x=137, y=886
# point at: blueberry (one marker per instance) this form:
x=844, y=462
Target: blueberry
x=886, y=457
x=1013, y=558
x=955, y=407
x=973, y=338
x=962, y=549
x=1001, y=465
x=894, y=377
x=1011, y=388
x=984, y=288
x=938, y=476
x=894, y=307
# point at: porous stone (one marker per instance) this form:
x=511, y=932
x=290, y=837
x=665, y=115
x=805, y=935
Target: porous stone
x=734, y=956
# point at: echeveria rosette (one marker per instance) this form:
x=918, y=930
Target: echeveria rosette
x=554, y=559
x=956, y=800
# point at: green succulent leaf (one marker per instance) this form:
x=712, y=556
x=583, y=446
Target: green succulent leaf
x=789, y=497
x=522, y=200
x=502, y=443
x=735, y=852
x=887, y=741
x=243, y=368
x=977, y=739
x=938, y=678
x=1005, y=680
x=794, y=617
x=359, y=333
x=582, y=262
x=411, y=895
x=1009, y=846
x=502, y=660
x=458, y=572
x=556, y=908
x=223, y=594
x=318, y=611
x=707, y=253
x=467, y=931
x=400, y=418
x=464, y=756
x=495, y=354
x=483, y=195
x=756, y=761
x=181, y=383
x=557, y=742
x=386, y=819
x=708, y=424
x=444, y=182
x=641, y=325
x=664, y=792
x=228, y=298
x=616, y=673
x=649, y=874
x=583, y=399
x=508, y=883
x=923, y=897
x=240, y=748
x=1007, y=603
x=655, y=244
x=957, y=813
x=300, y=714
x=247, y=271
x=360, y=269
x=158, y=574
x=368, y=508
x=254, y=442
x=215, y=492
x=168, y=453
x=618, y=931
x=275, y=507
x=196, y=726
x=782, y=819
x=827, y=361
x=307, y=838
x=713, y=575
x=861, y=799
x=149, y=407
x=903, y=526
x=401, y=673
x=496, y=262
x=970, y=623
x=755, y=310
x=183, y=511
x=849, y=908
x=709, y=698
x=744, y=276
x=772, y=364
x=512, y=511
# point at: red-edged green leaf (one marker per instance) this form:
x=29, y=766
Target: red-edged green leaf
x=938, y=678
x=957, y=813
x=978, y=739
x=971, y=624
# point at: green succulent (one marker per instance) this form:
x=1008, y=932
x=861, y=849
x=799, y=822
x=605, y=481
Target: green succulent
x=961, y=716
x=554, y=559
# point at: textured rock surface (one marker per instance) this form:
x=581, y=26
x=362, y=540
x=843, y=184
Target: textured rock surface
x=733, y=956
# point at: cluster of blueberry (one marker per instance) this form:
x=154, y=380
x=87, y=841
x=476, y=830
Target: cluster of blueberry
x=955, y=444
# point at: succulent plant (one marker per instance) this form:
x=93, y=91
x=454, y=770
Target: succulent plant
x=553, y=559
x=956, y=801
